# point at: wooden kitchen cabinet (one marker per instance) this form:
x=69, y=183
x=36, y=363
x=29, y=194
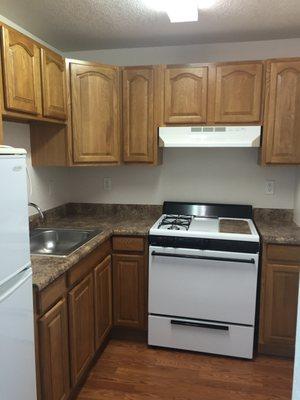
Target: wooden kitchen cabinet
x=103, y=300
x=21, y=73
x=129, y=282
x=281, y=136
x=81, y=326
x=53, y=85
x=279, y=298
x=142, y=113
x=95, y=97
x=186, y=94
x=238, y=92
x=54, y=353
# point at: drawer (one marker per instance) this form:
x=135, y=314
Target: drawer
x=128, y=243
x=84, y=266
x=201, y=336
x=49, y=296
x=283, y=253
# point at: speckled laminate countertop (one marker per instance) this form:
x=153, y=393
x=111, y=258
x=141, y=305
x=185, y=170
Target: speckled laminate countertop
x=46, y=269
x=277, y=226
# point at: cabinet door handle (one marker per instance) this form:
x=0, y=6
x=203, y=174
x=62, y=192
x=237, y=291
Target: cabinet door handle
x=200, y=325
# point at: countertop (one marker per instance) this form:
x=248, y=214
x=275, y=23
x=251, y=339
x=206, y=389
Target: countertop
x=46, y=269
x=276, y=226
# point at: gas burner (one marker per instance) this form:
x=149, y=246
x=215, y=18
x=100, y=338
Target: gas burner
x=176, y=222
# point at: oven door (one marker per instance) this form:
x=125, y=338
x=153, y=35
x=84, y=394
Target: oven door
x=203, y=284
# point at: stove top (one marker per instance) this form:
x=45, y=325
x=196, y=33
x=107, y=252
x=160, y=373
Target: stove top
x=232, y=223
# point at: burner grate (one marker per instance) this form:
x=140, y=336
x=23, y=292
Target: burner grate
x=175, y=222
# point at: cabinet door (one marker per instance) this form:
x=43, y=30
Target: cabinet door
x=280, y=313
x=129, y=290
x=103, y=300
x=238, y=93
x=54, y=353
x=139, y=126
x=282, y=117
x=54, y=85
x=186, y=91
x=22, y=80
x=81, y=319
x=95, y=113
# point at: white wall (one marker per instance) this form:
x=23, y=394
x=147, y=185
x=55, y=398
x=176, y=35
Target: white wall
x=48, y=184
x=217, y=175
x=194, y=53
x=297, y=199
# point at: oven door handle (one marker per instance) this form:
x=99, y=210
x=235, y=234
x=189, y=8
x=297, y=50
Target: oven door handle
x=200, y=325
x=239, y=260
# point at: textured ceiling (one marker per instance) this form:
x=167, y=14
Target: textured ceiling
x=97, y=24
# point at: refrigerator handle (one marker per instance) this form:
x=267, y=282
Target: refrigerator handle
x=9, y=287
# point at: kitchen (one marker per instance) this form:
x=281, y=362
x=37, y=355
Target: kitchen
x=154, y=152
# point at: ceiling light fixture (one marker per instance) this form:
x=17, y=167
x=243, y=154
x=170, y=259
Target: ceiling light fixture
x=180, y=10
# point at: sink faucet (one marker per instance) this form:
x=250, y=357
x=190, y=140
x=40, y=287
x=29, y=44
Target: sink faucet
x=41, y=214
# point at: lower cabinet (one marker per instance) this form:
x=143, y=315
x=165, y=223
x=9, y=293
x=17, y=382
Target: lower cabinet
x=81, y=318
x=129, y=276
x=280, y=280
x=54, y=353
x=75, y=313
x=103, y=301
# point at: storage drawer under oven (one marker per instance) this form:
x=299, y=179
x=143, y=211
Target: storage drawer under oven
x=201, y=336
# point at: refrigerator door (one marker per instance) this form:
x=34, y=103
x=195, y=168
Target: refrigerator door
x=14, y=229
x=17, y=361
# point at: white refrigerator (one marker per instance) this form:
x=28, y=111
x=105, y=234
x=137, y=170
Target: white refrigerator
x=17, y=357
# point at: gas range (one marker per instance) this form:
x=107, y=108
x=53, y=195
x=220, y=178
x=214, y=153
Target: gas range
x=203, y=273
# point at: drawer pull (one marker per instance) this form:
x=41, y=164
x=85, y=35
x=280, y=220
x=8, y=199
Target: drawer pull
x=200, y=325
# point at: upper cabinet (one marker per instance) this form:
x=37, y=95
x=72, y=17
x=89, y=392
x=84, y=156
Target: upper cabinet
x=95, y=95
x=21, y=65
x=186, y=94
x=54, y=85
x=238, y=92
x=141, y=114
x=281, y=144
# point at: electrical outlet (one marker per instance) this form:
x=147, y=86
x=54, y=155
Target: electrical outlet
x=107, y=184
x=270, y=187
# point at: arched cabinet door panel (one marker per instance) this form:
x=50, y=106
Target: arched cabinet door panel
x=142, y=110
x=282, y=116
x=95, y=113
x=21, y=67
x=186, y=91
x=54, y=85
x=238, y=93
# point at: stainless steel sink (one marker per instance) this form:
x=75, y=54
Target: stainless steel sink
x=59, y=242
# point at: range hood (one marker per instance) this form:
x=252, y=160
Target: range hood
x=210, y=136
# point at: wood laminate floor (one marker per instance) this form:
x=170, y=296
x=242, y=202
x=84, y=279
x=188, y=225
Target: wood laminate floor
x=132, y=371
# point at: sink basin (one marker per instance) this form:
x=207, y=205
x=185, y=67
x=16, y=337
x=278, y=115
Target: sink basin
x=59, y=242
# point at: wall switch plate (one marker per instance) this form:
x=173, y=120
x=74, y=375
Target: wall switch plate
x=270, y=187
x=107, y=184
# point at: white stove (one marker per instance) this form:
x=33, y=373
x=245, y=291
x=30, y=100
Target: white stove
x=203, y=272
